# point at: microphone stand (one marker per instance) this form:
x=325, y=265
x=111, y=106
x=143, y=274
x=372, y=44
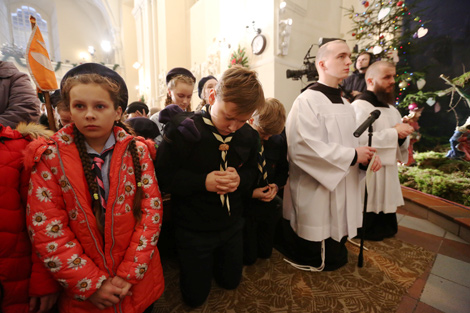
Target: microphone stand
x=360, y=260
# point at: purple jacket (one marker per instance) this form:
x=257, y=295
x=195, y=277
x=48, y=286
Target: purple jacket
x=18, y=100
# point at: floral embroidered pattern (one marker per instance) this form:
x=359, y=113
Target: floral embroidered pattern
x=147, y=180
x=54, y=229
x=64, y=137
x=51, y=247
x=39, y=218
x=50, y=153
x=155, y=203
x=121, y=199
x=80, y=298
x=154, y=240
x=73, y=214
x=84, y=284
x=54, y=170
x=43, y=194
x=70, y=244
x=30, y=188
x=64, y=184
x=142, y=243
x=76, y=262
x=100, y=281
x=53, y=264
x=46, y=175
x=156, y=218
x=130, y=170
x=31, y=233
x=129, y=188
x=63, y=282
x=145, y=167
x=121, y=135
x=141, y=270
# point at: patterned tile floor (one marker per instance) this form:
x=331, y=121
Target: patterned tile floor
x=445, y=286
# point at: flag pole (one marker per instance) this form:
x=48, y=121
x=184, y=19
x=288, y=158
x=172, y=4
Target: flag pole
x=47, y=97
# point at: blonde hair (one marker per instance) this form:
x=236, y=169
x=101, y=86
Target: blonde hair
x=172, y=84
x=271, y=118
x=113, y=89
x=240, y=86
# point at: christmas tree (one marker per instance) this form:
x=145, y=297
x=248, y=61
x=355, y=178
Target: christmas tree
x=391, y=30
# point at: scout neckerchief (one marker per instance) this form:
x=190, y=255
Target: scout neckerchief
x=262, y=163
x=97, y=165
x=223, y=147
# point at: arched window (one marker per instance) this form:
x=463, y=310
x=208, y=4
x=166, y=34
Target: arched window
x=22, y=27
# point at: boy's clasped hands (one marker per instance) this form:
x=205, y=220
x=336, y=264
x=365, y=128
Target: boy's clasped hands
x=223, y=182
x=111, y=292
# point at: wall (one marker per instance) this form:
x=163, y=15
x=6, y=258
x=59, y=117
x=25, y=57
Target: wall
x=131, y=75
x=223, y=21
x=200, y=35
x=311, y=21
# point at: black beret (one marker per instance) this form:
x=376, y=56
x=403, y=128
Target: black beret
x=95, y=68
x=202, y=82
x=137, y=106
x=179, y=71
x=144, y=127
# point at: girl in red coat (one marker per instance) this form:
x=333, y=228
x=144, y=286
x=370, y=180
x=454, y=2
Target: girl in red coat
x=94, y=207
x=25, y=284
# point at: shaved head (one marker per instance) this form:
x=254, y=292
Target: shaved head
x=325, y=50
x=376, y=69
x=333, y=62
x=380, y=79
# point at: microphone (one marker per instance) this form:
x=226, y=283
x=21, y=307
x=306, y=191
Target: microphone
x=371, y=119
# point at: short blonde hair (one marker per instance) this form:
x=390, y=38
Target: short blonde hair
x=241, y=86
x=271, y=118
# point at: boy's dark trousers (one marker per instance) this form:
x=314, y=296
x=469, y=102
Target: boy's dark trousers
x=203, y=255
x=261, y=219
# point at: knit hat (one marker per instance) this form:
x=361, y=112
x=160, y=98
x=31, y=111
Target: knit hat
x=179, y=71
x=137, y=106
x=202, y=82
x=95, y=68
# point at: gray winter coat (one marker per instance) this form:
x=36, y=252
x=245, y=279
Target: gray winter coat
x=18, y=100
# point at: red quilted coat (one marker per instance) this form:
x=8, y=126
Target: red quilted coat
x=19, y=277
x=63, y=228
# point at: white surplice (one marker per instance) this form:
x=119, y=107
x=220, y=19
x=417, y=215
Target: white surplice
x=384, y=190
x=321, y=198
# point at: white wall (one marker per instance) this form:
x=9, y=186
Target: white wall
x=129, y=49
x=311, y=20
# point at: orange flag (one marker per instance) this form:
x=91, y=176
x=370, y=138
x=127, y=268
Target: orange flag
x=38, y=61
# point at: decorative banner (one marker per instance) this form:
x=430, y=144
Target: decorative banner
x=38, y=61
